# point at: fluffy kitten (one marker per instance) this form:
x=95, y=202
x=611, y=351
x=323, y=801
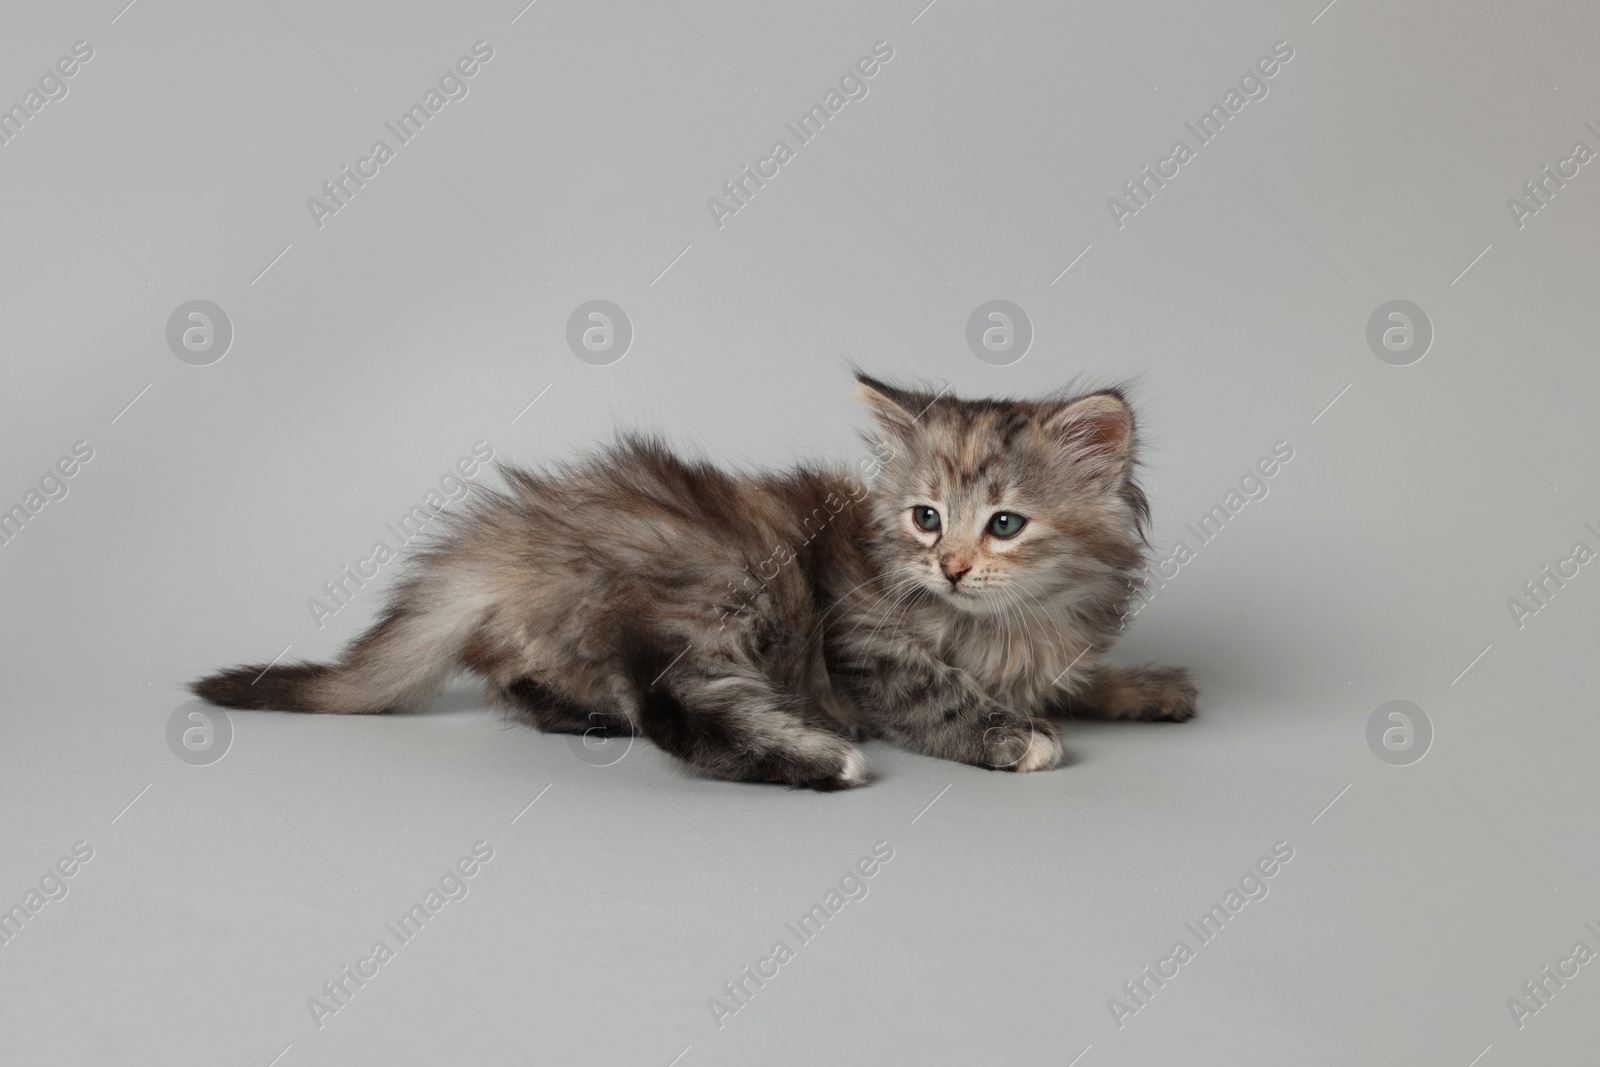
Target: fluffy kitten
x=752, y=624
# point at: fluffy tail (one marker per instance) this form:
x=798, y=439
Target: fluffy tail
x=403, y=659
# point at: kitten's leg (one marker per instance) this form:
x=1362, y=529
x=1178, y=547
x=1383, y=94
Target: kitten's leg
x=931, y=707
x=555, y=713
x=729, y=721
x=1135, y=693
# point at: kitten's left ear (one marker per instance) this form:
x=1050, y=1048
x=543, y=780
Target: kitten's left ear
x=1098, y=430
x=896, y=410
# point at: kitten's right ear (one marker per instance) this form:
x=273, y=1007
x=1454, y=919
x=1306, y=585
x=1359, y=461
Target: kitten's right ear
x=896, y=410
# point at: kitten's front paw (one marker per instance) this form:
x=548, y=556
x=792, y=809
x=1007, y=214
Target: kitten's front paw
x=1044, y=754
x=1023, y=745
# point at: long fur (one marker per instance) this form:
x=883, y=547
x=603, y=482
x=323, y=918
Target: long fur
x=753, y=625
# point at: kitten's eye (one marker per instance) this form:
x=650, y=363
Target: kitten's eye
x=925, y=517
x=1006, y=524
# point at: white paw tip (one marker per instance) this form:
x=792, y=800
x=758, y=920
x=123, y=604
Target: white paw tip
x=1043, y=753
x=855, y=768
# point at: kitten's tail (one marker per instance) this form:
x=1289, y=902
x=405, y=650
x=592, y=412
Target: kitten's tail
x=403, y=659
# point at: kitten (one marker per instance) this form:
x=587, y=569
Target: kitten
x=753, y=624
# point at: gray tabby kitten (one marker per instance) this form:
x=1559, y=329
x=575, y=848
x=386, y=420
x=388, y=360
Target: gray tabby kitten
x=753, y=624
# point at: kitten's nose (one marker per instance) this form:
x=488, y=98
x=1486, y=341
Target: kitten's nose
x=954, y=569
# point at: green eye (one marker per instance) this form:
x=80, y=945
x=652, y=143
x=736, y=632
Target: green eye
x=925, y=517
x=1006, y=524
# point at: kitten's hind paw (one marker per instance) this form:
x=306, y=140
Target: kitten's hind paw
x=1169, y=696
x=850, y=771
x=1165, y=694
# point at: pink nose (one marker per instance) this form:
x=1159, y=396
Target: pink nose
x=954, y=569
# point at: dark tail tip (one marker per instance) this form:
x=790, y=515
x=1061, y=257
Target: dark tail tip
x=262, y=687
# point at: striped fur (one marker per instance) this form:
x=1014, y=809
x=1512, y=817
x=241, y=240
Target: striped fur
x=753, y=625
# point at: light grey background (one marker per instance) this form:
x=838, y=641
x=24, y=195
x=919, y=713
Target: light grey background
x=369, y=354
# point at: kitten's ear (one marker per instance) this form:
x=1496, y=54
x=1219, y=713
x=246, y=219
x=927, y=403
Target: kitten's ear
x=896, y=410
x=1097, y=430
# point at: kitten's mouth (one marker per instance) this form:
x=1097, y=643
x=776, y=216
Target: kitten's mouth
x=966, y=596
x=979, y=603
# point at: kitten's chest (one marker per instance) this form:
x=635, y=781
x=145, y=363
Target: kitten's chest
x=1020, y=662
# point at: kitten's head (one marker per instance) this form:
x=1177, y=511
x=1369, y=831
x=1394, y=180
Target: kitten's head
x=998, y=505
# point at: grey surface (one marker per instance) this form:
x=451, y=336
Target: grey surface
x=428, y=313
